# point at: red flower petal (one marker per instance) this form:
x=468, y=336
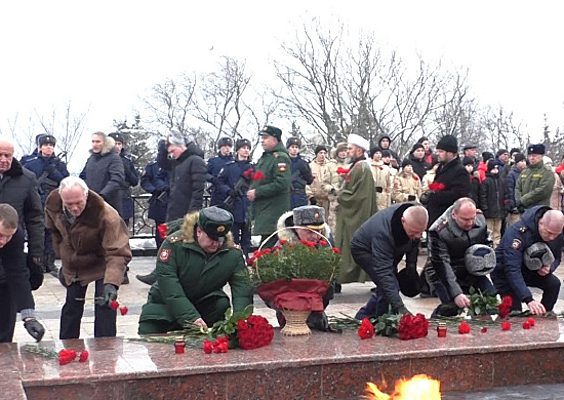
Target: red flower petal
x=505, y=325
x=123, y=310
x=526, y=325
x=114, y=305
x=83, y=356
x=531, y=321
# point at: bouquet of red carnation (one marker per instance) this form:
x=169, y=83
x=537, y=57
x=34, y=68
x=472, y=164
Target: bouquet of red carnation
x=413, y=326
x=437, y=186
x=254, y=332
x=342, y=171
x=504, y=308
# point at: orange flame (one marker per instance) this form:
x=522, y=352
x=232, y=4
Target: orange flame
x=420, y=387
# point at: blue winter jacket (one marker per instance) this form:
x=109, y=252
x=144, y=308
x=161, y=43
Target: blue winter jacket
x=507, y=275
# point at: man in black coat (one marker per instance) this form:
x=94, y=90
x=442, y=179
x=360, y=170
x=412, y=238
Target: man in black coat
x=451, y=182
x=131, y=177
x=187, y=180
x=103, y=172
x=379, y=245
x=18, y=188
x=452, y=268
x=15, y=290
x=188, y=176
x=301, y=173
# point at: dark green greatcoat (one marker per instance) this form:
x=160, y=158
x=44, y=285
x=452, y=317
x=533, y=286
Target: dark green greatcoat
x=272, y=191
x=190, y=284
x=357, y=203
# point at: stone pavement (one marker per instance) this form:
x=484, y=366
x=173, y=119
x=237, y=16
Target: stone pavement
x=50, y=298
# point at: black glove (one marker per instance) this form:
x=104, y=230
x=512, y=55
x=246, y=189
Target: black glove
x=34, y=328
x=35, y=272
x=110, y=293
x=313, y=201
x=424, y=199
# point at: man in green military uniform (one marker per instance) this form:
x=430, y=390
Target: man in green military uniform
x=270, y=190
x=193, y=266
x=535, y=183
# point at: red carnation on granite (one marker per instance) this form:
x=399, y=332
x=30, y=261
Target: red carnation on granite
x=437, y=186
x=366, y=329
x=464, y=328
x=208, y=346
x=526, y=325
x=66, y=356
x=83, y=356
x=531, y=321
x=413, y=326
x=505, y=325
x=484, y=329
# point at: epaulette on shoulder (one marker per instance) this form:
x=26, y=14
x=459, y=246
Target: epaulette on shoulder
x=523, y=229
x=174, y=239
x=442, y=225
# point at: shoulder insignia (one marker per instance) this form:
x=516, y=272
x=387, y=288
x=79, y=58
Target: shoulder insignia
x=276, y=154
x=523, y=229
x=516, y=244
x=442, y=225
x=164, y=255
x=282, y=167
x=174, y=239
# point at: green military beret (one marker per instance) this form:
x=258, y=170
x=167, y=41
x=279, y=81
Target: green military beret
x=215, y=221
x=272, y=131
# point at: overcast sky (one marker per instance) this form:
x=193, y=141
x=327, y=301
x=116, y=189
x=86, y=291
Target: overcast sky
x=106, y=54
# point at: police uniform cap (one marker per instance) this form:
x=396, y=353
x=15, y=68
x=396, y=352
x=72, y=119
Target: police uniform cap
x=537, y=255
x=242, y=143
x=118, y=137
x=479, y=259
x=47, y=139
x=312, y=217
x=293, y=141
x=271, y=131
x=536, y=149
x=215, y=221
x=224, y=141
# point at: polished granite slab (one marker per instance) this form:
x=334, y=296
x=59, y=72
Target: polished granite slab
x=323, y=365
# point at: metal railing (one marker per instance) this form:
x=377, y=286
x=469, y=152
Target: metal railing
x=141, y=226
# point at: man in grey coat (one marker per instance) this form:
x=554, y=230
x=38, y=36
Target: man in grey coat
x=103, y=171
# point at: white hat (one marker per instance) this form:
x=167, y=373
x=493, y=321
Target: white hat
x=359, y=141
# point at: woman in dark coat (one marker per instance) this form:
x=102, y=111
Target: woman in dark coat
x=417, y=158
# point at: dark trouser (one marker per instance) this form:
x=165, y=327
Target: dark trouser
x=377, y=304
x=71, y=314
x=211, y=309
x=242, y=236
x=549, y=284
x=7, y=314
x=298, y=199
x=465, y=281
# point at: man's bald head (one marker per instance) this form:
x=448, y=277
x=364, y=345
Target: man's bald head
x=551, y=225
x=6, y=154
x=414, y=220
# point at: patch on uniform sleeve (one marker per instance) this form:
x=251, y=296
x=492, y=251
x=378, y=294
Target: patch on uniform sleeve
x=282, y=167
x=516, y=244
x=164, y=255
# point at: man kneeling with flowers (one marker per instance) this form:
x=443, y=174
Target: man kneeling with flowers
x=193, y=266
